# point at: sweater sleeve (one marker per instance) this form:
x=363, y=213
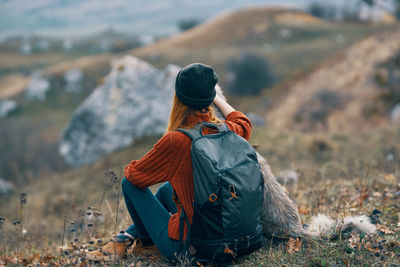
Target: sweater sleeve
x=155, y=166
x=239, y=123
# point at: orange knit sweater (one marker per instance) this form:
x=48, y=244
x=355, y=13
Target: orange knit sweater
x=170, y=160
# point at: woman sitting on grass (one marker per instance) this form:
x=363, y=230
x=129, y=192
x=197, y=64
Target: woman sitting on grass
x=157, y=218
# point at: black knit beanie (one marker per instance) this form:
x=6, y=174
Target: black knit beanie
x=195, y=85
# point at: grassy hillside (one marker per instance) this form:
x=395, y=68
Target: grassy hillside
x=342, y=93
x=349, y=175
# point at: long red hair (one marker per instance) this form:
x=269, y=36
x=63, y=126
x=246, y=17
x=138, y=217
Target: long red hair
x=179, y=113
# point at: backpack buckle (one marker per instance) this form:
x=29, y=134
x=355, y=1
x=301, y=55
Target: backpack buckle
x=213, y=197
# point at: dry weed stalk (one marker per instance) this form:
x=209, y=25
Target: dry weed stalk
x=117, y=183
x=2, y=220
x=16, y=224
x=63, y=235
x=21, y=213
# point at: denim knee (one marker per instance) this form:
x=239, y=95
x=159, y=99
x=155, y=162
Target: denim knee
x=126, y=185
x=166, y=188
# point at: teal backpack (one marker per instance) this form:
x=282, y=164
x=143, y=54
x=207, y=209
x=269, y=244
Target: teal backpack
x=228, y=195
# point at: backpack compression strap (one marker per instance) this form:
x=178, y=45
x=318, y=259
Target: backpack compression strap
x=184, y=245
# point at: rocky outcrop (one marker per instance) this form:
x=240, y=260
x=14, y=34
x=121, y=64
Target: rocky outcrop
x=38, y=87
x=133, y=102
x=395, y=113
x=5, y=187
x=73, y=79
x=6, y=107
x=286, y=177
x=255, y=119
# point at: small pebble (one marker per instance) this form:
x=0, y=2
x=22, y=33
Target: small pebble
x=377, y=254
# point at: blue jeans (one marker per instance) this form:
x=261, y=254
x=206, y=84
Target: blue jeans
x=150, y=215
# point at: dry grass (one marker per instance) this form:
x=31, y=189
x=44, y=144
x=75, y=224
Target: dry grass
x=12, y=85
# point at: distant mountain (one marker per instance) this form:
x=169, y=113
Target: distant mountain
x=75, y=17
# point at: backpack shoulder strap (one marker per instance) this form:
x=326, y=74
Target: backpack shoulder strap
x=193, y=133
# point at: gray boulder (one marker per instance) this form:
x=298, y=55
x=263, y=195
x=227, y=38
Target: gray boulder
x=287, y=177
x=7, y=106
x=38, y=87
x=133, y=102
x=5, y=187
x=255, y=119
x=73, y=79
x=395, y=113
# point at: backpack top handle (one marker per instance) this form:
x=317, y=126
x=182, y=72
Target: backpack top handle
x=197, y=131
x=220, y=128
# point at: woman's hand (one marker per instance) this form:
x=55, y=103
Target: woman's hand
x=223, y=106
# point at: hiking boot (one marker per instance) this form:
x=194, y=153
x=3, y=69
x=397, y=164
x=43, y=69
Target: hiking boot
x=141, y=248
x=113, y=250
x=122, y=245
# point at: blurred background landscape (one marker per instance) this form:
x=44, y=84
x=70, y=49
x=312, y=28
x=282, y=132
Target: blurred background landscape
x=87, y=86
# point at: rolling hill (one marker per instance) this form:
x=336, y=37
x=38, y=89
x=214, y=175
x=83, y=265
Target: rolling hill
x=229, y=29
x=342, y=93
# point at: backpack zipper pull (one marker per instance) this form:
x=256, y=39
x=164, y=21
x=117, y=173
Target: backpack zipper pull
x=227, y=250
x=232, y=190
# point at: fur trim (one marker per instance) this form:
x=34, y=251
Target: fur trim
x=323, y=225
x=320, y=225
x=362, y=223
